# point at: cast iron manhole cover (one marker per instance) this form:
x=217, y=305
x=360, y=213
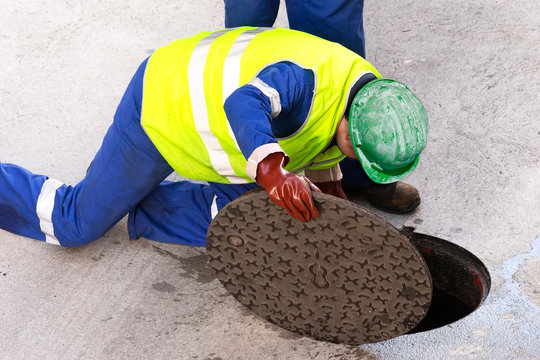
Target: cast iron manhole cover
x=347, y=276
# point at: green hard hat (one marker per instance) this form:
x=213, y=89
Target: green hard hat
x=388, y=126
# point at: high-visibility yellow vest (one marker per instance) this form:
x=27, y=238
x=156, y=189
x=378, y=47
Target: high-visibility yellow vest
x=187, y=82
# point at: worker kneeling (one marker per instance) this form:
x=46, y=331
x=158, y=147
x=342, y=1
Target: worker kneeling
x=238, y=108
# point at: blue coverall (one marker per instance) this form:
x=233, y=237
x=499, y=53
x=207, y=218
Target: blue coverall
x=340, y=21
x=127, y=174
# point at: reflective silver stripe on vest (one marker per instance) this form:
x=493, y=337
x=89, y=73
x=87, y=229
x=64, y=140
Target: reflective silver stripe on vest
x=218, y=157
x=231, y=81
x=44, y=209
x=271, y=93
x=231, y=67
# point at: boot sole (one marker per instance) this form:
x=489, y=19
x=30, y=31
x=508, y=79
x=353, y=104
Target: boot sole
x=409, y=209
x=345, y=277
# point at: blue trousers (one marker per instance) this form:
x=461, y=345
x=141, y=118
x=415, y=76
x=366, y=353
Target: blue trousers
x=340, y=21
x=126, y=177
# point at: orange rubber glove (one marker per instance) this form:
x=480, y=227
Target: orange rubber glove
x=332, y=188
x=286, y=189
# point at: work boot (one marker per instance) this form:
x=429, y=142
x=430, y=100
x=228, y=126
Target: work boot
x=397, y=198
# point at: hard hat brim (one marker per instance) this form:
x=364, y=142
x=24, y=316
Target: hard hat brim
x=385, y=176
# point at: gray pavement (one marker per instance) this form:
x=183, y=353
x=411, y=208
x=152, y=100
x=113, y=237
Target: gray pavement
x=64, y=68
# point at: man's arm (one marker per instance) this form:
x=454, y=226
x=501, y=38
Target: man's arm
x=259, y=109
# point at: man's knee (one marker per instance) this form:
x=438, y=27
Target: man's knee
x=78, y=238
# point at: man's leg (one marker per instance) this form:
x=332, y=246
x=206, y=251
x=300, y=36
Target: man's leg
x=180, y=212
x=174, y=212
x=337, y=20
x=250, y=12
x=354, y=177
x=19, y=191
x=397, y=197
x=124, y=171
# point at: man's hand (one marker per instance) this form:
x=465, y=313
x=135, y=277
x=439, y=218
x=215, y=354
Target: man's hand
x=332, y=188
x=286, y=189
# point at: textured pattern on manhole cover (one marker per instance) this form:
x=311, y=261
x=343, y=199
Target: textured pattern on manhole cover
x=346, y=277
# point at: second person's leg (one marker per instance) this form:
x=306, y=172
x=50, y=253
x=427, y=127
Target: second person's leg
x=336, y=20
x=250, y=12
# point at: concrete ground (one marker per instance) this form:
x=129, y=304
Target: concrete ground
x=64, y=68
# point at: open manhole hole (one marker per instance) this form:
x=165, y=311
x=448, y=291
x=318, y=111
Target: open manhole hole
x=347, y=276
x=461, y=282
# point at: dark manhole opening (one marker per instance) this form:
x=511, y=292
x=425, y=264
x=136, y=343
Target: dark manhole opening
x=461, y=282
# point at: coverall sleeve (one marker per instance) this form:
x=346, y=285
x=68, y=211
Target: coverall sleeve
x=325, y=175
x=268, y=104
